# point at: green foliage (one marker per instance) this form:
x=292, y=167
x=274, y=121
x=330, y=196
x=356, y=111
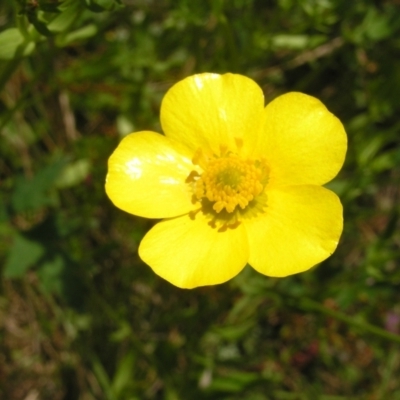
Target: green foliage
x=80, y=316
x=31, y=194
x=23, y=254
x=12, y=44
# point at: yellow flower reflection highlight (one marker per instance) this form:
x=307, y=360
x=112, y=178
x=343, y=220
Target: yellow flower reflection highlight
x=233, y=181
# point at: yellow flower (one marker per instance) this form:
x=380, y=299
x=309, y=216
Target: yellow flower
x=235, y=182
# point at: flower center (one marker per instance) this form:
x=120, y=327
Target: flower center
x=229, y=182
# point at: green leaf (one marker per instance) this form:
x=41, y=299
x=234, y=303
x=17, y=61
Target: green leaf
x=24, y=253
x=10, y=40
x=3, y=212
x=103, y=5
x=59, y=274
x=377, y=25
x=50, y=274
x=73, y=174
x=124, y=125
x=63, y=20
x=13, y=44
x=80, y=34
x=102, y=378
x=32, y=194
x=368, y=149
x=235, y=332
x=122, y=379
x=40, y=26
x=236, y=381
x=49, y=6
x=292, y=42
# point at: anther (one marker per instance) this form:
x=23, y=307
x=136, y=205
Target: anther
x=228, y=181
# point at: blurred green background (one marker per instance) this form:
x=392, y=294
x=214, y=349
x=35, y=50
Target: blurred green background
x=81, y=317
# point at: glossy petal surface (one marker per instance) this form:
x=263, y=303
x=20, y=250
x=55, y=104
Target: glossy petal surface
x=146, y=176
x=302, y=141
x=189, y=253
x=209, y=110
x=300, y=228
x=294, y=145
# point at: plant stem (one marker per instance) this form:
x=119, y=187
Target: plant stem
x=308, y=304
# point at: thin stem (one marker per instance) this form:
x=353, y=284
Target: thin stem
x=308, y=304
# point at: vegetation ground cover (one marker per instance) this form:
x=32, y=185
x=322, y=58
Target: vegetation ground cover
x=81, y=317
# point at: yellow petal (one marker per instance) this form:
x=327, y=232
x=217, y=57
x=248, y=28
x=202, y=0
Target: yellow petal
x=300, y=228
x=146, y=176
x=302, y=141
x=188, y=253
x=209, y=110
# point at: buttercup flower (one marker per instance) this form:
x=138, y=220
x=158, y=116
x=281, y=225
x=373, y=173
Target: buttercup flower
x=233, y=181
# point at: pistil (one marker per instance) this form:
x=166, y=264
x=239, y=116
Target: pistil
x=230, y=182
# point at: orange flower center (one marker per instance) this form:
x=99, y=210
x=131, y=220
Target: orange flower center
x=229, y=181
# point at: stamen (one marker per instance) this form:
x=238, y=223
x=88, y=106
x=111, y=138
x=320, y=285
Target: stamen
x=228, y=182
